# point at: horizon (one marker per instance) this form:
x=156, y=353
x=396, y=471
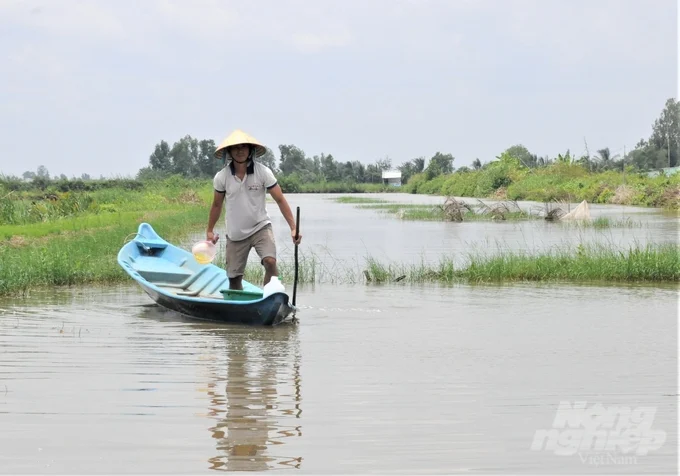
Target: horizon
x=103, y=82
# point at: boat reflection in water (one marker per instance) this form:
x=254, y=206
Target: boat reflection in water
x=253, y=386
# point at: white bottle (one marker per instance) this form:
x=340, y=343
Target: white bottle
x=273, y=286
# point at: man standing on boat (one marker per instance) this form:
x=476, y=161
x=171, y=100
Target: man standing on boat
x=244, y=183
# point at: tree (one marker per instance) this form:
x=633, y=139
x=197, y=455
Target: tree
x=410, y=168
x=160, y=158
x=384, y=164
x=184, y=157
x=521, y=153
x=268, y=159
x=207, y=164
x=292, y=159
x=43, y=173
x=329, y=168
x=666, y=132
x=605, y=160
x=439, y=164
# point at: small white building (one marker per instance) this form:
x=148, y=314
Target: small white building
x=391, y=177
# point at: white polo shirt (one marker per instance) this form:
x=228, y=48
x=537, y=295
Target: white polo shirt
x=246, y=210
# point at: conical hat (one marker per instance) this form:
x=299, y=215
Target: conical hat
x=240, y=137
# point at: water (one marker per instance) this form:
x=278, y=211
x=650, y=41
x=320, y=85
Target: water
x=342, y=235
x=390, y=379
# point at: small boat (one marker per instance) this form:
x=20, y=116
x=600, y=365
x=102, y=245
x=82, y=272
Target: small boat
x=173, y=278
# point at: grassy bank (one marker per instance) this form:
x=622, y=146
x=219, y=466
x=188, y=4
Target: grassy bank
x=78, y=245
x=506, y=178
x=67, y=245
x=83, y=256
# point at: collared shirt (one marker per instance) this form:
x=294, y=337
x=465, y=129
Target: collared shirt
x=246, y=210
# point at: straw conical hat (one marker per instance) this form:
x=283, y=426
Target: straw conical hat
x=240, y=137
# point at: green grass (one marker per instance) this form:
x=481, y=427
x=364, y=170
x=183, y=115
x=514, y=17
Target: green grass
x=79, y=258
x=81, y=247
x=573, y=182
x=604, y=223
x=350, y=199
x=78, y=245
x=652, y=263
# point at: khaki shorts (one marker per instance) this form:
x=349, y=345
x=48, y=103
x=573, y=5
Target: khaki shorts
x=238, y=251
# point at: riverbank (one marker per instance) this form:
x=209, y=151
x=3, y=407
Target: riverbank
x=53, y=238
x=79, y=247
x=507, y=180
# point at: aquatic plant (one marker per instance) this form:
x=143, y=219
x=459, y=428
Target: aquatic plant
x=654, y=263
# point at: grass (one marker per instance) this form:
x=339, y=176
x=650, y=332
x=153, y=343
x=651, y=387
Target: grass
x=90, y=258
x=76, y=245
x=604, y=223
x=360, y=200
x=80, y=257
x=652, y=263
x=501, y=211
x=451, y=210
x=72, y=246
x=507, y=178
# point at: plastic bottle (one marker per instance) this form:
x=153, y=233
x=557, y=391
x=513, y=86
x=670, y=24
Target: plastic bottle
x=273, y=286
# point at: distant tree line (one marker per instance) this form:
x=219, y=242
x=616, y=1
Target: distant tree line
x=193, y=158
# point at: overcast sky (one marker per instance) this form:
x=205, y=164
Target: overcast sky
x=89, y=86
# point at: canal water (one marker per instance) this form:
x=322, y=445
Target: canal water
x=396, y=378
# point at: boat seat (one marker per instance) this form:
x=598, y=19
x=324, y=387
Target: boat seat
x=157, y=270
x=197, y=291
x=151, y=244
x=186, y=283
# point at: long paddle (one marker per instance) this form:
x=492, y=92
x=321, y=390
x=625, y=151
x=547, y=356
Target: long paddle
x=297, y=233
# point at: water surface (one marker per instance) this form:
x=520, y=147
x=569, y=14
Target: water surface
x=391, y=379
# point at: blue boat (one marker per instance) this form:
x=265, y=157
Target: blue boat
x=175, y=280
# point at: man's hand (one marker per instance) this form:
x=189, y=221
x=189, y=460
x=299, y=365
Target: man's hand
x=212, y=236
x=299, y=237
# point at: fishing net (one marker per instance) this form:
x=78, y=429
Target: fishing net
x=581, y=212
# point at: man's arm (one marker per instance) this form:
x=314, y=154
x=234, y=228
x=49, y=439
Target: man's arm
x=215, y=212
x=280, y=199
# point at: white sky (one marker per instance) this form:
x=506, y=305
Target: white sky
x=91, y=86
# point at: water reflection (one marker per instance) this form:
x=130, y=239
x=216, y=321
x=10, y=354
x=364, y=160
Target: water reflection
x=253, y=387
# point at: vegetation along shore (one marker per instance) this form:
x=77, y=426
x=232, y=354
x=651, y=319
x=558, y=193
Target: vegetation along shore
x=56, y=230
x=49, y=237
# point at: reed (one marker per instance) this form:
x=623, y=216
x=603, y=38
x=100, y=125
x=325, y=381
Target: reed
x=593, y=263
x=656, y=263
x=90, y=258
x=361, y=200
x=604, y=223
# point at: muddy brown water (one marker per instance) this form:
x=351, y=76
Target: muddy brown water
x=388, y=379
